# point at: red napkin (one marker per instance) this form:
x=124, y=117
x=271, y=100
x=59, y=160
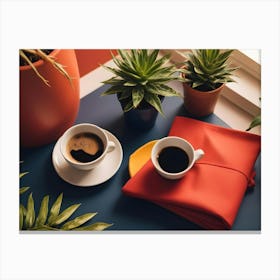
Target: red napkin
x=211, y=192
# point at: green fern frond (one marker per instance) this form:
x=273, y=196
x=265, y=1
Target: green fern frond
x=53, y=218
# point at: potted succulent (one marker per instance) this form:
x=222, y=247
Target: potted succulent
x=207, y=71
x=49, y=94
x=139, y=82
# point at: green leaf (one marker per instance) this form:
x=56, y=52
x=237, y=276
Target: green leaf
x=110, y=69
x=163, y=90
x=158, y=64
x=22, y=213
x=256, y=121
x=137, y=96
x=54, y=211
x=198, y=70
x=23, y=189
x=152, y=58
x=197, y=84
x=78, y=221
x=114, y=90
x=43, y=212
x=65, y=215
x=134, y=58
x=23, y=209
x=126, y=67
x=20, y=220
x=130, y=84
x=125, y=94
x=128, y=106
x=22, y=174
x=126, y=58
x=154, y=101
x=168, y=71
x=96, y=226
x=30, y=213
x=44, y=227
x=114, y=81
x=225, y=55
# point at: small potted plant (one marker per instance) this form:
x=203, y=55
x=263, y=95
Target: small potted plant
x=207, y=71
x=140, y=84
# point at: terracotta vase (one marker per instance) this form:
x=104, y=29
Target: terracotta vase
x=200, y=103
x=46, y=112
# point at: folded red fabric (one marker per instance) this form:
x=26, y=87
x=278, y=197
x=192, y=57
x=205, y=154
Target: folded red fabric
x=211, y=192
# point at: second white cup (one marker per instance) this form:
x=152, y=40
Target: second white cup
x=173, y=157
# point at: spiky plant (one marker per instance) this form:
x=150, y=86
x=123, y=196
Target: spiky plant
x=53, y=218
x=140, y=79
x=255, y=122
x=208, y=69
x=29, y=56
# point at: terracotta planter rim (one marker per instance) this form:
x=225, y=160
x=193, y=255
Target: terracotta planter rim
x=46, y=112
x=39, y=62
x=209, y=91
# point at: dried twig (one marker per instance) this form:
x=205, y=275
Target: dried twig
x=48, y=59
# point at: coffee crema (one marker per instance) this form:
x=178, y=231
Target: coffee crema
x=173, y=159
x=85, y=147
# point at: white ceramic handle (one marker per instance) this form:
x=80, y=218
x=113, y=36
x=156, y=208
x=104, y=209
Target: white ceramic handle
x=111, y=146
x=198, y=154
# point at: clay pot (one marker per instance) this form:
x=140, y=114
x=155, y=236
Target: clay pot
x=200, y=103
x=46, y=112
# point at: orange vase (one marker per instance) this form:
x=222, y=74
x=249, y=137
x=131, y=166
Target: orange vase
x=46, y=112
x=200, y=103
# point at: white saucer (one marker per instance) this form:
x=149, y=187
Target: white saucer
x=103, y=172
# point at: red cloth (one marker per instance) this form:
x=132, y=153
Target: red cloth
x=211, y=192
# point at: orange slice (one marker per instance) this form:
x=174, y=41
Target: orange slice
x=138, y=158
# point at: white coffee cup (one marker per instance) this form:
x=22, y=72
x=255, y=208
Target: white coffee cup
x=85, y=128
x=174, y=141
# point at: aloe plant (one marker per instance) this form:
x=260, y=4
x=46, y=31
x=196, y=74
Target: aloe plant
x=52, y=218
x=208, y=69
x=28, y=56
x=140, y=79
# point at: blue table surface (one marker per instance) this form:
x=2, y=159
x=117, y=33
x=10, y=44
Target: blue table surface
x=126, y=213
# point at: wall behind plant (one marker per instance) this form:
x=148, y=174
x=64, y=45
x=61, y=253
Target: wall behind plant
x=89, y=59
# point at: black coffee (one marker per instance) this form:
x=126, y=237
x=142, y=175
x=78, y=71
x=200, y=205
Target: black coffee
x=85, y=147
x=173, y=159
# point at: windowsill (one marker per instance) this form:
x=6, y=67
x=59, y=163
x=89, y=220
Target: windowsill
x=240, y=101
x=233, y=107
x=234, y=116
x=93, y=80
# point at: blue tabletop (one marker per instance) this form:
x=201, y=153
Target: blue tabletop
x=126, y=213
